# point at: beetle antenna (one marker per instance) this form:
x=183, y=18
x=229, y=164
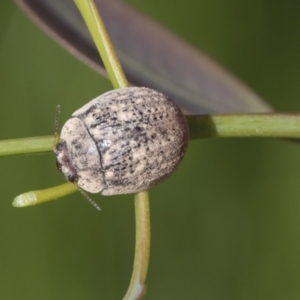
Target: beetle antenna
x=56, y=137
x=89, y=198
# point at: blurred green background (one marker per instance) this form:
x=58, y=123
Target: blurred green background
x=225, y=226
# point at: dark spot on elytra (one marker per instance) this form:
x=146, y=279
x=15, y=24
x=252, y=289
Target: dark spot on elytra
x=138, y=129
x=89, y=110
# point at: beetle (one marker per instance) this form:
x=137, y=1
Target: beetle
x=124, y=141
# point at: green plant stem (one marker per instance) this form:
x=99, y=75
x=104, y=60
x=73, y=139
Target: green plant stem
x=115, y=72
x=137, y=288
x=41, y=196
x=245, y=125
x=275, y=125
x=103, y=43
x=32, y=145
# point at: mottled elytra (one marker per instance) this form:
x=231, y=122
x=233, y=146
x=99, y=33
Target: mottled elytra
x=124, y=141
